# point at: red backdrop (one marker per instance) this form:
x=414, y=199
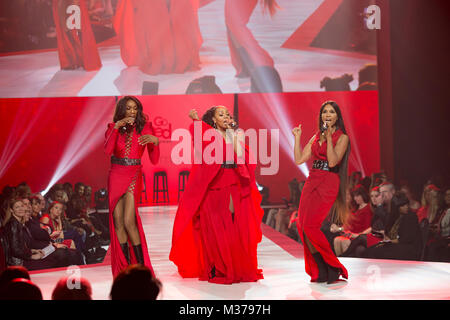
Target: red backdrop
x=56, y=140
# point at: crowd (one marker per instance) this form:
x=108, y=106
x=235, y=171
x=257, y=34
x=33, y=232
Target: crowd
x=61, y=229
x=136, y=282
x=383, y=220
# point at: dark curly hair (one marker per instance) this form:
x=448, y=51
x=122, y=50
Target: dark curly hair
x=208, y=115
x=121, y=109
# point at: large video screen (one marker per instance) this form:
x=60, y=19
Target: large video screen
x=65, y=48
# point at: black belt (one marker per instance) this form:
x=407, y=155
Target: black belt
x=125, y=161
x=229, y=165
x=323, y=165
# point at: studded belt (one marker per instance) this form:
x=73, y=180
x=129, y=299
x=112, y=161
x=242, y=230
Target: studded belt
x=229, y=165
x=125, y=161
x=323, y=165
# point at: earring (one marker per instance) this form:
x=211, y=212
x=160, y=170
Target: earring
x=215, y=125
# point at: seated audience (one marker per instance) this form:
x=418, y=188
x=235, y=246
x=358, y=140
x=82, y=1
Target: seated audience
x=430, y=205
x=357, y=222
x=403, y=240
x=438, y=247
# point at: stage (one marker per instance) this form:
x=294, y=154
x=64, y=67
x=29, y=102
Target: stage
x=281, y=259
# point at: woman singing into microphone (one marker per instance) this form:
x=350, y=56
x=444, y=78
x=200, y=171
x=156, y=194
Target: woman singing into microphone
x=125, y=141
x=217, y=225
x=324, y=191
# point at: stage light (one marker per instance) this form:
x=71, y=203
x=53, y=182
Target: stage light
x=28, y=119
x=88, y=133
x=275, y=117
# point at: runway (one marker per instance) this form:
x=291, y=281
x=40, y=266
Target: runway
x=38, y=74
x=282, y=262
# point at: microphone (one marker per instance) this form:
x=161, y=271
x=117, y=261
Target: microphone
x=232, y=124
x=323, y=128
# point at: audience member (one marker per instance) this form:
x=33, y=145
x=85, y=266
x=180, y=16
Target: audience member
x=439, y=243
x=82, y=290
x=413, y=203
x=357, y=223
x=9, y=274
x=430, y=204
x=136, y=282
x=22, y=289
x=403, y=240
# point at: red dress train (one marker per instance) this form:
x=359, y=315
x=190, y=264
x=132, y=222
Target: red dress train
x=76, y=48
x=159, y=39
x=119, y=180
x=318, y=196
x=208, y=242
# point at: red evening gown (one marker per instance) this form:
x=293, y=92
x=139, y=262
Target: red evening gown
x=157, y=38
x=208, y=242
x=121, y=179
x=318, y=196
x=245, y=51
x=76, y=48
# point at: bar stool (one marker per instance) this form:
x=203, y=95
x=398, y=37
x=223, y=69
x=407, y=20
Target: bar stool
x=182, y=178
x=164, y=188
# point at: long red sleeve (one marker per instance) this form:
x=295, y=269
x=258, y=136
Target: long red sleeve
x=153, y=150
x=110, y=139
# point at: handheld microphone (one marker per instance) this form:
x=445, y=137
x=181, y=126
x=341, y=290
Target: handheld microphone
x=323, y=128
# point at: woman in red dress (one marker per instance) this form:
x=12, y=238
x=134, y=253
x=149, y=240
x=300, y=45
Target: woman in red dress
x=159, y=36
x=217, y=225
x=76, y=45
x=247, y=56
x=125, y=141
x=324, y=191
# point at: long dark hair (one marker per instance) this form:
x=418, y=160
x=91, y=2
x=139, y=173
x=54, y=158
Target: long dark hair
x=339, y=210
x=271, y=5
x=208, y=116
x=121, y=109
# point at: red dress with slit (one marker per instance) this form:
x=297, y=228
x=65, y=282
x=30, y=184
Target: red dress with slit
x=76, y=47
x=158, y=38
x=318, y=196
x=126, y=178
x=245, y=51
x=209, y=242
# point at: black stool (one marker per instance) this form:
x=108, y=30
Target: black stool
x=144, y=188
x=157, y=189
x=182, y=178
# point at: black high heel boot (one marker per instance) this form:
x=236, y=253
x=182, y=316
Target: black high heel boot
x=126, y=251
x=333, y=274
x=138, y=254
x=323, y=268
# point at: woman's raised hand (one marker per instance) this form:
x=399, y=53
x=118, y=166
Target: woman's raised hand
x=193, y=114
x=297, y=131
x=124, y=121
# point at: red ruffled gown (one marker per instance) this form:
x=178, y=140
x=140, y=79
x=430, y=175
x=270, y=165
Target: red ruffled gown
x=121, y=179
x=207, y=241
x=158, y=39
x=76, y=48
x=318, y=196
x=245, y=51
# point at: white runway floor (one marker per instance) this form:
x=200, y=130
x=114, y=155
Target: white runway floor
x=39, y=74
x=284, y=276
